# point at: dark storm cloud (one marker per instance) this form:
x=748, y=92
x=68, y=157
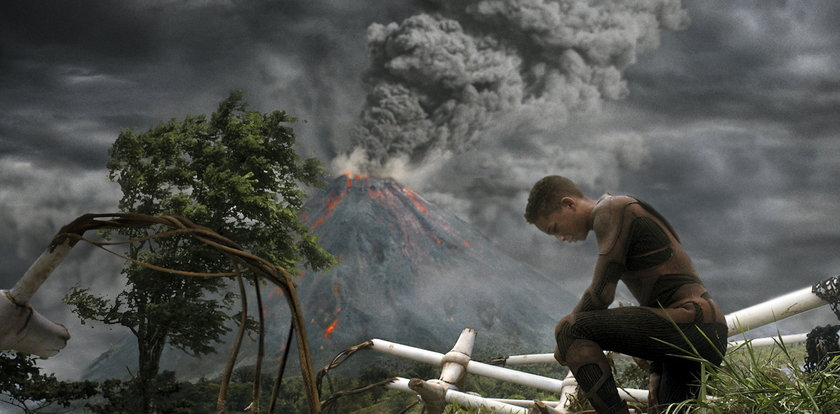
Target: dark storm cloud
x=741, y=111
x=81, y=28
x=74, y=74
x=754, y=207
x=772, y=63
x=114, y=65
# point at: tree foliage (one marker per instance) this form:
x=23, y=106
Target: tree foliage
x=24, y=386
x=237, y=173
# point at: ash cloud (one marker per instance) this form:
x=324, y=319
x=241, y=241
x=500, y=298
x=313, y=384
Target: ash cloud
x=439, y=80
x=470, y=103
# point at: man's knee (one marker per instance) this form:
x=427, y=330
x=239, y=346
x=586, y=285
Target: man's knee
x=564, y=336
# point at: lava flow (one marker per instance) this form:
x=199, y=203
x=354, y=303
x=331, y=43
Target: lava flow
x=330, y=329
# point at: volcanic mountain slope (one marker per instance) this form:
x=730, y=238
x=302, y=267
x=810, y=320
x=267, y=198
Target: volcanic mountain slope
x=412, y=273
x=407, y=272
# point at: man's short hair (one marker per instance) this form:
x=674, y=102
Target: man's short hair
x=546, y=195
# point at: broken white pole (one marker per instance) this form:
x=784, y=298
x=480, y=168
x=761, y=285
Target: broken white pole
x=23, y=329
x=433, y=394
x=462, y=399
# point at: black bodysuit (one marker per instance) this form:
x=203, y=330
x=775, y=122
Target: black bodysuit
x=639, y=247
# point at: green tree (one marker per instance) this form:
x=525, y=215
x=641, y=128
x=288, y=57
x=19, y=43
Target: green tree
x=24, y=386
x=237, y=173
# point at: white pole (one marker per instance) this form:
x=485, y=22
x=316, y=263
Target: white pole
x=463, y=399
x=25, y=330
x=785, y=339
x=39, y=272
x=549, y=358
x=516, y=377
x=455, y=362
x=22, y=328
x=773, y=310
x=530, y=359
x=633, y=395
x=524, y=403
x=473, y=367
x=407, y=352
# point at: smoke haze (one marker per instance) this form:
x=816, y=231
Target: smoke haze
x=725, y=121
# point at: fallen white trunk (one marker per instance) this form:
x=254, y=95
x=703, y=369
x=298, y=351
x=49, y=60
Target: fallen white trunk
x=25, y=330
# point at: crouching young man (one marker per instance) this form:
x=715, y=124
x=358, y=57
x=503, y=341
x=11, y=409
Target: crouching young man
x=637, y=246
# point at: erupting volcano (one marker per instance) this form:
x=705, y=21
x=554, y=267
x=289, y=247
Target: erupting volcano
x=410, y=272
x=407, y=272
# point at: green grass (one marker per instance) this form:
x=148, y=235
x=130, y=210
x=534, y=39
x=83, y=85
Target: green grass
x=769, y=380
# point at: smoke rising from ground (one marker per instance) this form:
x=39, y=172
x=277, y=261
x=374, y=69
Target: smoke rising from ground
x=470, y=102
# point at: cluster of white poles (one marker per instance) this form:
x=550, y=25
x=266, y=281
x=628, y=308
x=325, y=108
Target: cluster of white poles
x=437, y=393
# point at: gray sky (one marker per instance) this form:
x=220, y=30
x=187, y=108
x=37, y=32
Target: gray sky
x=725, y=121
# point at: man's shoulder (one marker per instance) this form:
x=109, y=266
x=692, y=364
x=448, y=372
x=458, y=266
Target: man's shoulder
x=608, y=219
x=609, y=205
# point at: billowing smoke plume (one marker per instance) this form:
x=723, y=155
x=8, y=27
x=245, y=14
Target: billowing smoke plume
x=473, y=101
x=439, y=80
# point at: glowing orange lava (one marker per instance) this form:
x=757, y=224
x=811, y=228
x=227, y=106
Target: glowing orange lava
x=414, y=199
x=330, y=329
x=375, y=193
x=330, y=207
x=351, y=177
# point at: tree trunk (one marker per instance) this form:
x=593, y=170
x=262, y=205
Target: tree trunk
x=150, y=344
